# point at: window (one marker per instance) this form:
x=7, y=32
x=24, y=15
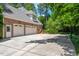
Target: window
x=35, y=21
x=8, y=29
x=20, y=25
x=28, y=15
x=16, y=25
x=35, y=18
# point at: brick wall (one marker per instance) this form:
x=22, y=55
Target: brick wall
x=12, y=21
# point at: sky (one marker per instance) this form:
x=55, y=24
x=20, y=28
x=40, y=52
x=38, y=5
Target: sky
x=36, y=7
x=35, y=4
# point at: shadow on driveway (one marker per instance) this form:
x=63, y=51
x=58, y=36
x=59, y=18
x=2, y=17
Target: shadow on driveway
x=3, y=40
x=60, y=40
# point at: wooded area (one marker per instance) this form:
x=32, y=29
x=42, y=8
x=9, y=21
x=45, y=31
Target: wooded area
x=64, y=18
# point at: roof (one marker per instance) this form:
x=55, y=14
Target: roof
x=20, y=14
x=25, y=11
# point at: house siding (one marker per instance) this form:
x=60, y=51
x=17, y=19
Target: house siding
x=8, y=21
x=13, y=21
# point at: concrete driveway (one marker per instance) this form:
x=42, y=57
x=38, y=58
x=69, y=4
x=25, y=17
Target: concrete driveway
x=37, y=45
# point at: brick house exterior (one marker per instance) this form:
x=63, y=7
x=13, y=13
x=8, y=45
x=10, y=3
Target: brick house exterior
x=19, y=22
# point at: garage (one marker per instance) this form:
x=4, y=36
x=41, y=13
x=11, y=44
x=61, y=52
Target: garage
x=19, y=22
x=30, y=30
x=18, y=29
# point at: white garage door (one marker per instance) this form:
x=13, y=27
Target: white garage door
x=18, y=29
x=30, y=30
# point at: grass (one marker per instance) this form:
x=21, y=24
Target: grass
x=75, y=41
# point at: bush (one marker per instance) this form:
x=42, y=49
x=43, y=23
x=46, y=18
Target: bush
x=52, y=26
x=75, y=41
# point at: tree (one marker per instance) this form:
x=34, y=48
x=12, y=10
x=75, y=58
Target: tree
x=43, y=10
x=16, y=5
x=66, y=15
x=42, y=20
x=1, y=21
x=28, y=6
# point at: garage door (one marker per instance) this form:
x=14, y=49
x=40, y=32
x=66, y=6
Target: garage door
x=18, y=30
x=30, y=30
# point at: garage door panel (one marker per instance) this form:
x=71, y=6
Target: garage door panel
x=27, y=30
x=18, y=30
x=34, y=30
x=30, y=30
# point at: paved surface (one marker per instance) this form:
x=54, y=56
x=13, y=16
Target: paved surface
x=37, y=45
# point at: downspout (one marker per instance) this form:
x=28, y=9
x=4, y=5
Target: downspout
x=3, y=29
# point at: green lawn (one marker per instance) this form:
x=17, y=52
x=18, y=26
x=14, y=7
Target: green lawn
x=75, y=41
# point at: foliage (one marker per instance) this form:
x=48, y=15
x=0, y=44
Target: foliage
x=1, y=21
x=65, y=15
x=42, y=20
x=16, y=5
x=41, y=8
x=52, y=26
x=28, y=6
x=43, y=11
x=75, y=41
x=65, y=18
